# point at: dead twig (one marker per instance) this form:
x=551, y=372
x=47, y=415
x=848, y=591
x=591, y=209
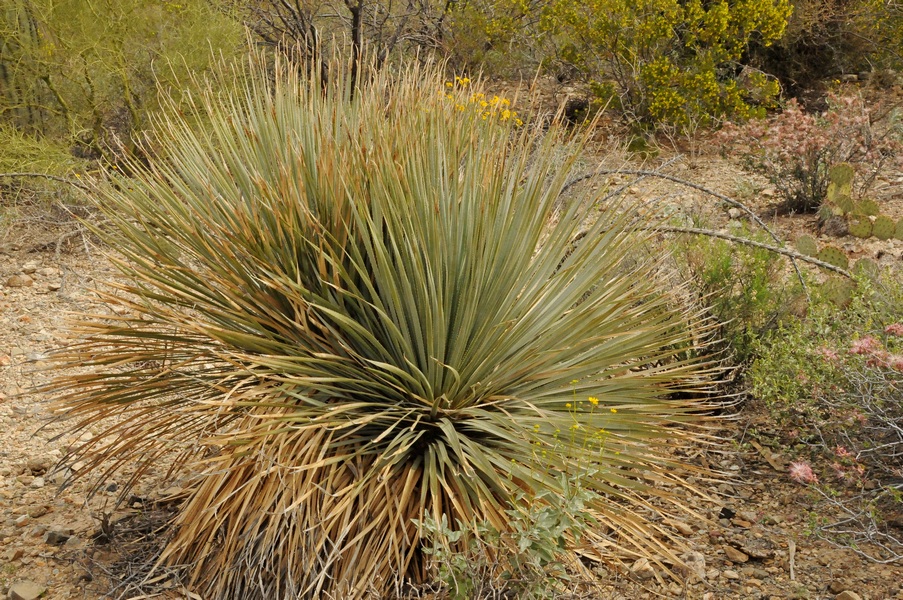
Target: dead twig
x=65, y=180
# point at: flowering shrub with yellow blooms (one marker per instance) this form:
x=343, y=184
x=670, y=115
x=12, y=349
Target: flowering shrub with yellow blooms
x=668, y=61
x=496, y=108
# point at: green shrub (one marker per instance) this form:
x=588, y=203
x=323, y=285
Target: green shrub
x=667, y=61
x=88, y=74
x=745, y=287
x=825, y=38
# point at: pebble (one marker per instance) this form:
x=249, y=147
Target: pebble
x=14, y=554
x=729, y=574
x=26, y=590
x=19, y=281
x=695, y=565
x=38, y=483
x=683, y=528
x=734, y=555
x=642, y=569
x=38, y=465
x=847, y=595
x=57, y=535
x=29, y=267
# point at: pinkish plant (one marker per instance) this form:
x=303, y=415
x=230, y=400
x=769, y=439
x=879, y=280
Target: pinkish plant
x=801, y=472
x=795, y=149
x=867, y=344
x=894, y=329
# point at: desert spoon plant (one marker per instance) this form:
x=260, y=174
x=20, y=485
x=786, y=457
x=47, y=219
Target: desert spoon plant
x=348, y=313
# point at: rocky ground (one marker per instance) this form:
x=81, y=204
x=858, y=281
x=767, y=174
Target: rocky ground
x=54, y=543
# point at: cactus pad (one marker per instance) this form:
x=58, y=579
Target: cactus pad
x=833, y=256
x=838, y=291
x=807, y=245
x=884, y=227
x=866, y=267
x=841, y=173
x=861, y=227
x=899, y=233
x=867, y=207
x=844, y=205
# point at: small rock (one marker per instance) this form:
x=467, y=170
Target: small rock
x=837, y=586
x=642, y=569
x=73, y=542
x=683, y=528
x=14, y=554
x=30, y=267
x=734, y=555
x=38, y=483
x=729, y=574
x=26, y=590
x=48, y=271
x=61, y=476
x=748, y=515
x=36, y=512
x=54, y=287
x=847, y=595
x=734, y=213
x=38, y=465
x=19, y=281
x=21, y=521
x=57, y=535
x=757, y=548
x=694, y=563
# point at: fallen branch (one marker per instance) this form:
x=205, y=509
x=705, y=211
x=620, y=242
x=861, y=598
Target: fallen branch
x=739, y=240
x=66, y=180
x=726, y=199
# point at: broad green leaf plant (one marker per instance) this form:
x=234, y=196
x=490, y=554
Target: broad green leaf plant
x=350, y=312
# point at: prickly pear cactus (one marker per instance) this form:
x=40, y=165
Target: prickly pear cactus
x=844, y=205
x=884, y=227
x=899, y=233
x=807, y=245
x=838, y=290
x=833, y=256
x=867, y=207
x=860, y=226
x=867, y=267
x=841, y=174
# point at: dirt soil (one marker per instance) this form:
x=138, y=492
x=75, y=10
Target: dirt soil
x=754, y=543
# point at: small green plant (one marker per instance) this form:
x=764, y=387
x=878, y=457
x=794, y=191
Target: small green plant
x=746, y=291
x=527, y=559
